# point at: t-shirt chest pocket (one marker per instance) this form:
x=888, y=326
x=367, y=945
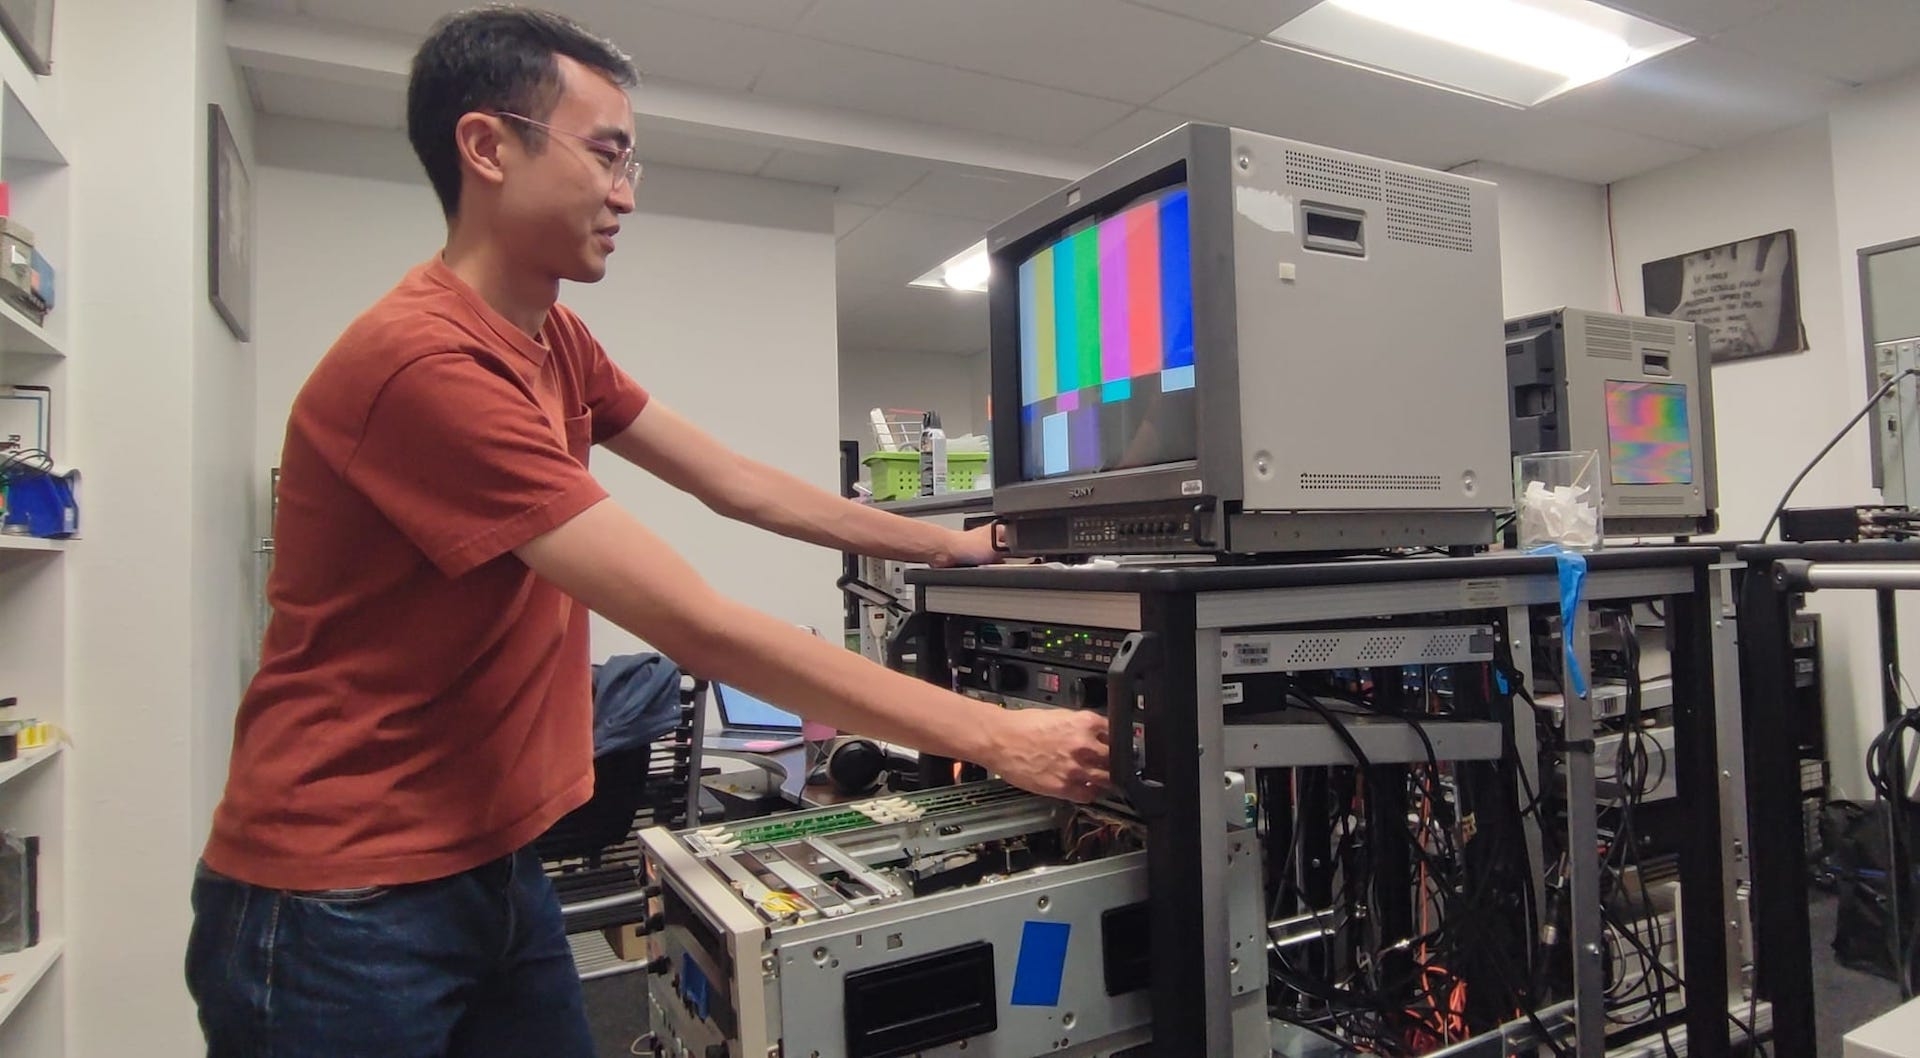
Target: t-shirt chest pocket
x=579, y=436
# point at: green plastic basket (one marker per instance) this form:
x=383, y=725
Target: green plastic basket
x=896, y=475
x=962, y=469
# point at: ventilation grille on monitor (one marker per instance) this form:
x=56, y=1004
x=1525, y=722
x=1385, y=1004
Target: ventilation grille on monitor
x=1609, y=339
x=1420, y=210
x=1429, y=212
x=1655, y=331
x=1333, y=175
x=1371, y=482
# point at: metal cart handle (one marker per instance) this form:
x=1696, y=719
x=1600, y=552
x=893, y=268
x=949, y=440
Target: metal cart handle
x=1139, y=653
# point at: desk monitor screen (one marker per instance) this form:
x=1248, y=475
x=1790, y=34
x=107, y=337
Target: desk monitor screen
x=1106, y=344
x=742, y=711
x=1649, y=435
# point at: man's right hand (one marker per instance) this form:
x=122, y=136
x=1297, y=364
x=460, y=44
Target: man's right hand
x=1055, y=752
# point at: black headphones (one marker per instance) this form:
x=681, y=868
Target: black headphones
x=853, y=765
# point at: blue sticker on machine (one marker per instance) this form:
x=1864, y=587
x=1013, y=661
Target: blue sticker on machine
x=1042, y=962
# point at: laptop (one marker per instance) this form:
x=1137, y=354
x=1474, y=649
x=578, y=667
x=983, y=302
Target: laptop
x=751, y=725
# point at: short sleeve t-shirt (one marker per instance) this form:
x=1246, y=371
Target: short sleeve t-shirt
x=424, y=701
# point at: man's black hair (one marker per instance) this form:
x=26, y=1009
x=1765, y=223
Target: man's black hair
x=494, y=59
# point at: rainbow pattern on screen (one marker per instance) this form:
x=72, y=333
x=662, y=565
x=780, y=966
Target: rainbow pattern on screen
x=1648, y=433
x=1106, y=318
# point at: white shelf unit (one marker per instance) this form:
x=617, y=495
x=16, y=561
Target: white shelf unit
x=27, y=761
x=36, y=655
x=22, y=972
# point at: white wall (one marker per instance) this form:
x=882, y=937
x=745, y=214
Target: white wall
x=1876, y=150
x=720, y=301
x=1771, y=415
x=223, y=525
x=1553, y=240
x=158, y=430
x=954, y=386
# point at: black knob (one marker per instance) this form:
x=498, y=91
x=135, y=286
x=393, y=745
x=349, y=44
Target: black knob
x=716, y=1050
x=653, y=924
x=660, y=966
x=1088, y=692
x=1006, y=678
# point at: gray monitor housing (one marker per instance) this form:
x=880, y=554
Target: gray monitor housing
x=1345, y=313
x=1629, y=388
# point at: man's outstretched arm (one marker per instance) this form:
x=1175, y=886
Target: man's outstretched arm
x=678, y=452
x=608, y=561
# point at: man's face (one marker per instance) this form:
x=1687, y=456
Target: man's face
x=560, y=208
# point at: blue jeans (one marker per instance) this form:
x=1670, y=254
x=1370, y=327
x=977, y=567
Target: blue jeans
x=472, y=966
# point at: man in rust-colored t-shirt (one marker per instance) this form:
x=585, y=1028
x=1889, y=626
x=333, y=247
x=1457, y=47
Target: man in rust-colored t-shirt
x=423, y=706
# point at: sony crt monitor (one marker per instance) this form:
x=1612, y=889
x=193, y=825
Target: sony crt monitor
x=1227, y=342
x=1638, y=390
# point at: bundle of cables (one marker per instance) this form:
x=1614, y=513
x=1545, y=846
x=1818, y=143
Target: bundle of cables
x=1890, y=754
x=1639, y=766
x=1367, y=990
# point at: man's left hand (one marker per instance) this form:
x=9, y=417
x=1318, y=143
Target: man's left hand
x=974, y=547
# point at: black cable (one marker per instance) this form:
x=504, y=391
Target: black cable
x=1381, y=996
x=1883, y=760
x=1844, y=430
x=1631, y=790
x=1661, y=969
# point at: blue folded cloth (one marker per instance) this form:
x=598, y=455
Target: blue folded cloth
x=636, y=699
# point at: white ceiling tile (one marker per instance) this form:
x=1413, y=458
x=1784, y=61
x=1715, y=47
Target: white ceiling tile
x=689, y=48
x=865, y=178
x=919, y=321
x=835, y=75
x=1698, y=17
x=664, y=43
x=1579, y=151
x=1287, y=93
x=1256, y=17
x=1097, y=47
x=1700, y=94
x=975, y=194
x=293, y=96
x=896, y=246
x=1140, y=127
x=1854, y=40
x=770, y=14
x=847, y=217
x=400, y=16
x=696, y=147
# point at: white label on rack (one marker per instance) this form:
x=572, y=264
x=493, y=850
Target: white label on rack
x=1475, y=594
x=1233, y=693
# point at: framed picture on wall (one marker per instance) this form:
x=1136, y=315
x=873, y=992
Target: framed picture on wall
x=229, y=227
x=1747, y=293
x=29, y=25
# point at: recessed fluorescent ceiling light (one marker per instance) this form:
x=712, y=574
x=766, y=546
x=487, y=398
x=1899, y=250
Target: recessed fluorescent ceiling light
x=1517, y=52
x=967, y=270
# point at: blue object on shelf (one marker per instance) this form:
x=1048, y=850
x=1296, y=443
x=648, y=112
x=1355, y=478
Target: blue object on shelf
x=45, y=503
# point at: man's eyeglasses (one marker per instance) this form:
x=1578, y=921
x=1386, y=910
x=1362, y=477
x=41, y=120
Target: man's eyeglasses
x=619, y=160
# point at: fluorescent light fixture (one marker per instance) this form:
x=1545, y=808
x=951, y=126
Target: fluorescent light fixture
x=967, y=270
x=1516, y=52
